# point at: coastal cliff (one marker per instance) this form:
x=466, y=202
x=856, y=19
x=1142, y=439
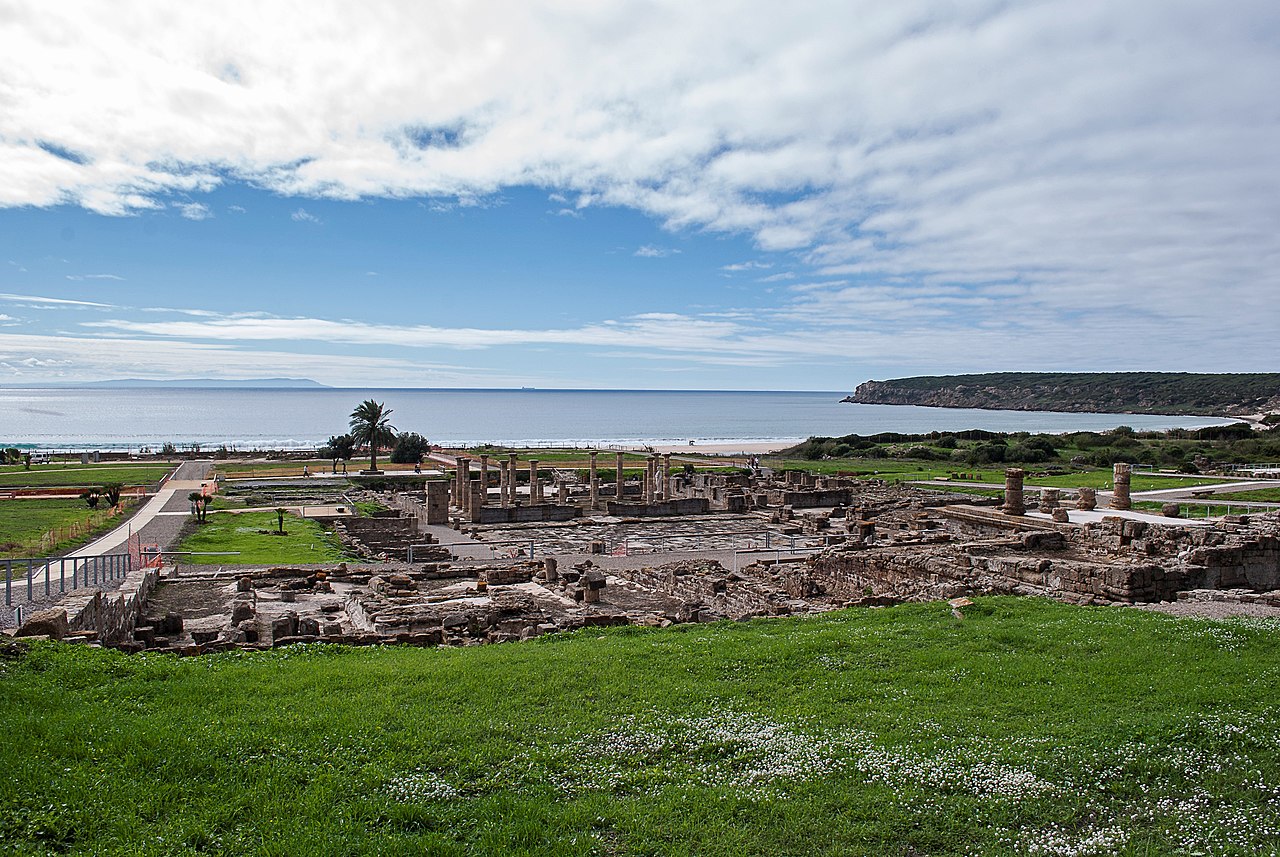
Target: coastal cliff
x=1083, y=392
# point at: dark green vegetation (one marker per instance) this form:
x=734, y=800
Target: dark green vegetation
x=1028, y=727
x=81, y=475
x=1084, y=392
x=1185, y=450
x=371, y=426
x=256, y=537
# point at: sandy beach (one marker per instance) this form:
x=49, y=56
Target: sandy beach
x=730, y=448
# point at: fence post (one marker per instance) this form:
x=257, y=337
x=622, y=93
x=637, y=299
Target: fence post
x=47, y=575
x=8, y=582
x=62, y=574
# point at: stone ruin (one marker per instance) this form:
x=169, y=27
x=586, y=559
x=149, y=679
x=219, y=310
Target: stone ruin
x=868, y=544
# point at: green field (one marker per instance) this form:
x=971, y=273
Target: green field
x=1266, y=495
x=1030, y=727
x=81, y=475
x=304, y=542
x=24, y=521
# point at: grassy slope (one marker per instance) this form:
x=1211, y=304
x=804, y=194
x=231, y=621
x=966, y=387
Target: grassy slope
x=899, y=731
x=23, y=522
x=77, y=475
x=303, y=542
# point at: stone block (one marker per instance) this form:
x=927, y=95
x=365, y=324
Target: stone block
x=50, y=623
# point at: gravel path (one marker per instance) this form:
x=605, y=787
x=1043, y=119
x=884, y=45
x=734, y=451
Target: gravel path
x=1212, y=609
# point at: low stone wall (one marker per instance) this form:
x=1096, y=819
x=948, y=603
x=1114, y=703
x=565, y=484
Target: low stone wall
x=663, y=509
x=110, y=616
x=526, y=514
x=708, y=588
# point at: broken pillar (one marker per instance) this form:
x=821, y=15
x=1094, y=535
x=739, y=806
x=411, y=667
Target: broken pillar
x=1120, y=500
x=464, y=484
x=1013, y=502
x=1086, y=499
x=562, y=491
x=549, y=566
x=617, y=491
x=476, y=501
x=484, y=480
x=504, y=484
x=535, y=486
x=866, y=532
x=437, y=493
x=1048, y=500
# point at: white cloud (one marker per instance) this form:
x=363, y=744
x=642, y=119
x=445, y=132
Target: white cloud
x=194, y=210
x=303, y=216
x=752, y=265
x=649, y=251
x=94, y=277
x=38, y=301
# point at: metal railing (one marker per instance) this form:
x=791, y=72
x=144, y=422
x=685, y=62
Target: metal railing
x=47, y=576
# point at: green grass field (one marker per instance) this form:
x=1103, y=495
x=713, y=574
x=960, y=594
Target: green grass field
x=1029, y=727
x=81, y=475
x=304, y=542
x=24, y=521
x=1266, y=495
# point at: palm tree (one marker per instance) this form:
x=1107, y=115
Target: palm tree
x=370, y=423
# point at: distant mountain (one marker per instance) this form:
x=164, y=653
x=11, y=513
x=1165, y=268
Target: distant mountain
x=1084, y=392
x=189, y=383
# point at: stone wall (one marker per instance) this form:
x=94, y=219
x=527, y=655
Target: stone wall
x=525, y=514
x=110, y=616
x=661, y=509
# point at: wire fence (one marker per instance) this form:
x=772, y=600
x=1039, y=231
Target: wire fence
x=48, y=541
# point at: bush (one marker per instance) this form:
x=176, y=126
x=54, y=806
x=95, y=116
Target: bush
x=410, y=448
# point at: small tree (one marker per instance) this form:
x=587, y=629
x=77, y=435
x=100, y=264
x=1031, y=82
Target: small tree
x=199, y=505
x=91, y=498
x=111, y=491
x=371, y=424
x=410, y=447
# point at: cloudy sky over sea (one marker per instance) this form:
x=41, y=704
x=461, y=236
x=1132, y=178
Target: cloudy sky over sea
x=636, y=194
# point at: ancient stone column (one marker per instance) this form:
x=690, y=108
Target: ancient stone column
x=464, y=484
x=484, y=480
x=595, y=482
x=618, y=489
x=549, y=565
x=1086, y=499
x=1048, y=500
x=504, y=484
x=562, y=492
x=475, y=504
x=1120, y=493
x=666, y=476
x=649, y=467
x=511, y=478
x=1013, y=503
x=455, y=485
x=535, y=487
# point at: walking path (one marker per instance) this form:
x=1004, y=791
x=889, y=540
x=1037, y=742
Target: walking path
x=147, y=521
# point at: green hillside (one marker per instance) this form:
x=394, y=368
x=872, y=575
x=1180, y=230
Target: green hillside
x=1084, y=392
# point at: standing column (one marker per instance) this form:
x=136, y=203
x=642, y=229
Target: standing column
x=618, y=490
x=562, y=492
x=504, y=484
x=595, y=482
x=1013, y=502
x=1120, y=492
x=484, y=480
x=535, y=489
x=455, y=487
x=667, y=490
x=512, y=469
x=464, y=483
x=648, y=478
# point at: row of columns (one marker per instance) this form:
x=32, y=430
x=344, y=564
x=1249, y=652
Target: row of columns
x=1014, y=504
x=467, y=492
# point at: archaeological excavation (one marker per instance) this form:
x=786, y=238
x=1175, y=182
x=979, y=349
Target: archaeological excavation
x=500, y=554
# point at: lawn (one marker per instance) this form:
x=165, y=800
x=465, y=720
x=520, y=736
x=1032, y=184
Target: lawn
x=1029, y=727
x=253, y=535
x=81, y=475
x=24, y=521
x=1265, y=495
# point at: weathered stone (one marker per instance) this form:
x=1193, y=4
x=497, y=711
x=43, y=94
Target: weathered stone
x=50, y=623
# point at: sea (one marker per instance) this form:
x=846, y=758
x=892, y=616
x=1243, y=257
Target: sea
x=66, y=419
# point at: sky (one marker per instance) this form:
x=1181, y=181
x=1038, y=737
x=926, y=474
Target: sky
x=648, y=195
